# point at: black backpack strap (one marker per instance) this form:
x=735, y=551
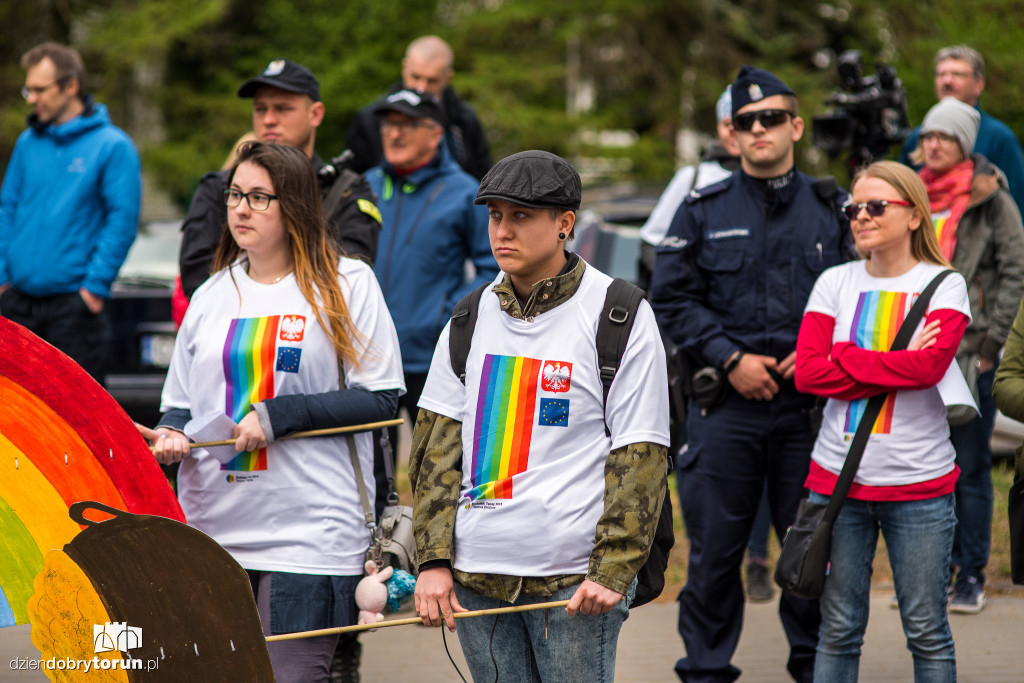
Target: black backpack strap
x=460, y=332
x=620, y=306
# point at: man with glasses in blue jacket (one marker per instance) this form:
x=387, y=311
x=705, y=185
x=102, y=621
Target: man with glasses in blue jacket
x=69, y=210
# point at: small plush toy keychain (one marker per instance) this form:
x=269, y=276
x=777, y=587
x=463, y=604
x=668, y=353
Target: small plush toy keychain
x=387, y=587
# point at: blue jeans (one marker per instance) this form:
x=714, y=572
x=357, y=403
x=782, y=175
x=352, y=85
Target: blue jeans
x=546, y=645
x=919, y=537
x=973, y=536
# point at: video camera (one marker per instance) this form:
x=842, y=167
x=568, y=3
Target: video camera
x=869, y=114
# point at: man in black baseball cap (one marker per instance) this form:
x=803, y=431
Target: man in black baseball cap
x=284, y=74
x=286, y=110
x=532, y=387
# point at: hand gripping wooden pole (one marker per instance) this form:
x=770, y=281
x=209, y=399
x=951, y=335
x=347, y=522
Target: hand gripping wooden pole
x=415, y=620
x=312, y=432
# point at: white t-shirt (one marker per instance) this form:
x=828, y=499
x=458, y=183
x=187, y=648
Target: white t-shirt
x=293, y=506
x=533, y=429
x=910, y=440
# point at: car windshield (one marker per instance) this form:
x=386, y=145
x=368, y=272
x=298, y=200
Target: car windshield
x=154, y=254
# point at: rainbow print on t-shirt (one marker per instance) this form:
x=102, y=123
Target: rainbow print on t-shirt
x=876, y=321
x=506, y=406
x=249, y=377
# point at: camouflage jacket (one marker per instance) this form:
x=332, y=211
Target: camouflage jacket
x=635, y=484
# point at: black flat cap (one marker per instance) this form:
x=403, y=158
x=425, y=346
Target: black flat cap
x=415, y=103
x=538, y=179
x=286, y=75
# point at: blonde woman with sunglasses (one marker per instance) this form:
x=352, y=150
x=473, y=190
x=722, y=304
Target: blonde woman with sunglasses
x=904, y=484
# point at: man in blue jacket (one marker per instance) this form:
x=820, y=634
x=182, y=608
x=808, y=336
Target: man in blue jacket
x=729, y=287
x=69, y=210
x=960, y=72
x=431, y=228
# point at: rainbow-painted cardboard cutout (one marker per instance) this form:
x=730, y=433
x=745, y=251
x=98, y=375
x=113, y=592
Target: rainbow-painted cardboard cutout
x=63, y=439
x=140, y=598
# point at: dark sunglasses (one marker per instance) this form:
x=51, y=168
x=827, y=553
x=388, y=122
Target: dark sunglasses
x=769, y=118
x=874, y=207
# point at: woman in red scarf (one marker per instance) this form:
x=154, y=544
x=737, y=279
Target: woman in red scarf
x=980, y=233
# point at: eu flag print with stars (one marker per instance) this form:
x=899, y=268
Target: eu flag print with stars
x=505, y=416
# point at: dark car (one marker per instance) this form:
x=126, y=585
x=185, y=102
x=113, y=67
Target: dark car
x=141, y=326
x=607, y=234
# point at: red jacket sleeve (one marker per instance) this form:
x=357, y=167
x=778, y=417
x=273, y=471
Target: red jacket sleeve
x=815, y=372
x=906, y=370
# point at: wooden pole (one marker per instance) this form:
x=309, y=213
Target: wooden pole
x=312, y=432
x=415, y=620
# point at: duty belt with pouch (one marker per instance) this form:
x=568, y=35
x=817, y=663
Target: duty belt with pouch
x=709, y=385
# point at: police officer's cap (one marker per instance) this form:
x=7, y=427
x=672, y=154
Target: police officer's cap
x=537, y=179
x=286, y=75
x=753, y=85
x=415, y=103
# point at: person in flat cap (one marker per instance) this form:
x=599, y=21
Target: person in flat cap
x=286, y=110
x=524, y=419
x=730, y=283
x=428, y=65
x=980, y=233
x=432, y=230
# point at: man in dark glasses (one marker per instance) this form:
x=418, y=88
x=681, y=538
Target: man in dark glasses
x=730, y=284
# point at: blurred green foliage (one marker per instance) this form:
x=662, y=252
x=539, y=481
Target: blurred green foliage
x=168, y=69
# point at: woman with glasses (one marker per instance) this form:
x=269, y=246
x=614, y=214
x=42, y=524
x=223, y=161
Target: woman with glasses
x=284, y=337
x=904, y=485
x=979, y=231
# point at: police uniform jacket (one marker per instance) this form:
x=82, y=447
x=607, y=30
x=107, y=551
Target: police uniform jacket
x=739, y=261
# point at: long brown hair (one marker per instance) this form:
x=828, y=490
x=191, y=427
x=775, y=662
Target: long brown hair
x=314, y=254
x=924, y=245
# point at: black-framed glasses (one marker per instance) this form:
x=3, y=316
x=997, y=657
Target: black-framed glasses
x=874, y=207
x=769, y=118
x=258, y=201
x=27, y=91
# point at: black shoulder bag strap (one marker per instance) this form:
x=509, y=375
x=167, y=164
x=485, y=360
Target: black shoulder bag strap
x=874, y=407
x=460, y=332
x=617, y=317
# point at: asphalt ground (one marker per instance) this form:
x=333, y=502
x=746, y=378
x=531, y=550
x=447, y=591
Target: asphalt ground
x=648, y=647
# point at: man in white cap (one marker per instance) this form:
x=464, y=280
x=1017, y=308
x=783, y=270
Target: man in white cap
x=720, y=159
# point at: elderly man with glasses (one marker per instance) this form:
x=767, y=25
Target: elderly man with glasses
x=69, y=210
x=730, y=283
x=432, y=229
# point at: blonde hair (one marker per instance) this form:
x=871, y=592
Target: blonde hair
x=924, y=245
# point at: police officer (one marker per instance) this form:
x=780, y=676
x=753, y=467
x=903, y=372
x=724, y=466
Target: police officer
x=729, y=287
